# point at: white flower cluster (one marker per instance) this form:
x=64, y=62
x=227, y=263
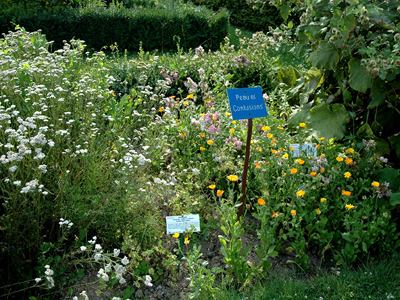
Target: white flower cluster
x=49, y=273
x=65, y=222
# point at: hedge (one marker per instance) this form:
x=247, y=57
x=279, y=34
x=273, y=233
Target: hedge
x=99, y=26
x=243, y=15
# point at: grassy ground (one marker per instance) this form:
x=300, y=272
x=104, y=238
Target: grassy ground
x=375, y=280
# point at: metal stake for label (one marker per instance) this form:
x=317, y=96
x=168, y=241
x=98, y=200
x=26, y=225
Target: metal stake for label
x=246, y=166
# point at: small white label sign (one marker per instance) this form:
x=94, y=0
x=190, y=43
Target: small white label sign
x=306, y=149
x=181, y=224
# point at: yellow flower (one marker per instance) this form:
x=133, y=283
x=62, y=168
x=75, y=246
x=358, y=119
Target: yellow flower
x=318, y=211
x=219, y=193
x=183, y=134
x=259, y=149
x=349, y=206
x=212, y=186
x=232, y=130
x=176, y=235
x=300, y=161
x=285, y=155
x=233, y=178
x=280, y=127
x=233, y=122
x=202, y=148
x=266, y=128
x=210, y=142
x=228, y=114
x=270, y=135
x=323, y=200
x=202, y=134
x=300, y=193
x=190, y=96
x=292, y=148
x=202, y=114
x=294, y=170
x=313, y=174
x=261, y=201
x=375, y=183
x=185, y=103
x=293, y=212
x=273, y=151
x=339, y=158
x=347, y=174
x=346, y=193
x=302, y=124
x=187, y=241
x=350, y=150
x=321, y=138
x=258, y=165
x=161, y=109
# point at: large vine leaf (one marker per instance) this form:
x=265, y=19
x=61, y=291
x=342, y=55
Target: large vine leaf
x=378, y=94
x=323, y=120
x=329, y=121
x=359, y=79
x=395, y=142
x=325, y=57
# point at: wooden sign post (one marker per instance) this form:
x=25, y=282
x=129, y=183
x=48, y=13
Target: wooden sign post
x=246, y=103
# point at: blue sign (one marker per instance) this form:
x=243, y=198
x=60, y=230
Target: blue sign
x=247, y=103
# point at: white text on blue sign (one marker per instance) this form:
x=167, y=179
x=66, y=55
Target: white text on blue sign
x=247, y=103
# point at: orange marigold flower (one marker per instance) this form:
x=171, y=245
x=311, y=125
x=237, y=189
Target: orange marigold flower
x=270, y=135
x=202, y=148
x=318, y=211
x=273, y=142
x=182, y=134
x=275, y=214
x=258, y=165
x=189, y=96
x=350, y=150
x=161, y=109
x=210, y=142
x=346, y=193
x=322, y=170
x=313, y=174
x=202, y=134
x=293, y=212
x=300, y=161
x=349, y=161
x=294, y=170
x=318, y=146
x=219, y=193
x=259, y=149
x=273, y=151
x=261, y=201
x=232, y=130
x=280, y=127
